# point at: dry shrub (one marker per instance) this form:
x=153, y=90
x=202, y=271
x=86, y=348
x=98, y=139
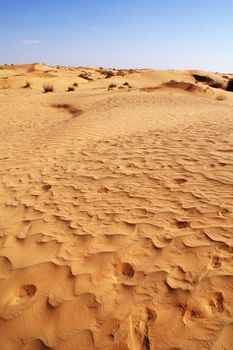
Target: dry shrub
x=70, y=88
x=111, y=86
x=27, y=85
x=181, y=85
x=85, y=75
x=202, y=78
x=48, y=88
x=208, y=81
x=108, y=74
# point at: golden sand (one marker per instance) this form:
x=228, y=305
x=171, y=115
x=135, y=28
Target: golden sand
x=116, y=211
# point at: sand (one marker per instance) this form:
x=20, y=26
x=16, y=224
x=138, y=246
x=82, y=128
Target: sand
x=116, y=211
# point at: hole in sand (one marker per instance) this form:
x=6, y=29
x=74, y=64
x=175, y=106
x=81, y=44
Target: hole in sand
x=127, y=269
x=28, y=290
x=182, y=224
x=180, y=181
x=103, y=190
x=222, y=164
x=182, y=307
x=151, y=315
x=216, y=261
x=46, y=187
x=224, y=211
x=195, y=313
x=219, y=301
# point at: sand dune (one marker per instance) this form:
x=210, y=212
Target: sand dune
x=116, y=211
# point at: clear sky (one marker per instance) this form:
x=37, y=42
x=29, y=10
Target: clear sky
x=161, y=34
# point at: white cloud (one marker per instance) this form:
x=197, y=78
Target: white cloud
x=30, y=41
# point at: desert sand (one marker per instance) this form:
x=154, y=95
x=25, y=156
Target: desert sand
x=116, y=210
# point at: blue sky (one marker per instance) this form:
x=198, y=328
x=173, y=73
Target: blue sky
x=161, y=34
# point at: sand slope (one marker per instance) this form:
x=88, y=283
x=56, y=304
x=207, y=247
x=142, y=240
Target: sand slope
x=116, y=214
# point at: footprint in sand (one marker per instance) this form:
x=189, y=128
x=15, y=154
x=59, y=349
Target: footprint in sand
x=217, y=302
x=16, y=301
x=182, y=224
x=180, y=181
x=125, y=269
x=151, y=316
x=223, y=212
x=216, y=262
x=222, y=164
x=46, y=187
x=36, y=344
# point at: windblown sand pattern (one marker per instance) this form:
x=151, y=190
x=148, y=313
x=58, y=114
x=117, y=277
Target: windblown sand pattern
x=116, y=219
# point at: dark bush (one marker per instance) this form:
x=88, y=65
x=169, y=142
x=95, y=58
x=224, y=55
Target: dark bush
x=27, y=85
x=203, y=78
x=71, y=88
x=108, y=74
x=85, y=76
x=216, y=84
x=111, y=86
x=209, y=81
x=230, y=85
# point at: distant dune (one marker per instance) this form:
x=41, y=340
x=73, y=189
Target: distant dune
x=116, y=209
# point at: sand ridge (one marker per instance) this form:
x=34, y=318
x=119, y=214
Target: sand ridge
x=116, y=217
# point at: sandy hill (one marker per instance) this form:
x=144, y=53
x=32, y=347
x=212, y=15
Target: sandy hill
x=116, y=209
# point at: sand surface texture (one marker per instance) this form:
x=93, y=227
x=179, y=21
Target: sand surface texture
x=116, y=211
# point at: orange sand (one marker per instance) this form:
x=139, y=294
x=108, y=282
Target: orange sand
x=116, y=211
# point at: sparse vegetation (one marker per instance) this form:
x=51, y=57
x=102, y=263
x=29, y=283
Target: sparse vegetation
x=27, y=85
x=71, y=88
x=75, y=84
x=48, y=88
x=126, y=83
